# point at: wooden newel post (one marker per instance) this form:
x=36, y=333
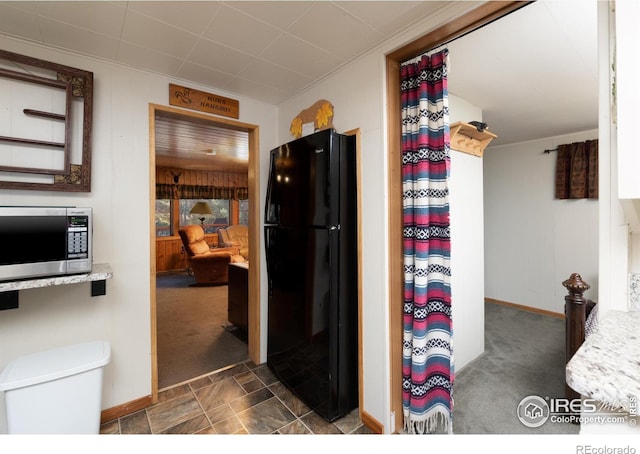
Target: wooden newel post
x=575, y=311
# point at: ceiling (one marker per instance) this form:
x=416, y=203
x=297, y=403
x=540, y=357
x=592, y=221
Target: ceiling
x=533, y=73
x=197, y=144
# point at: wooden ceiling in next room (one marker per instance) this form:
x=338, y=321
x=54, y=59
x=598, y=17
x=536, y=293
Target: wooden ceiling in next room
x=196, y=143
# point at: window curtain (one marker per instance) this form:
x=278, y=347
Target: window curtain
x=577, y=170
x=182, y=191
x=427, y=369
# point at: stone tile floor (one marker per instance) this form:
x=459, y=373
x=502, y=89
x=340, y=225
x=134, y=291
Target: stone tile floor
x=241, y=399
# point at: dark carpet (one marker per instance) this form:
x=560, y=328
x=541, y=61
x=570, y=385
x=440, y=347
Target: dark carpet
x=524, y=355
x=194, y=335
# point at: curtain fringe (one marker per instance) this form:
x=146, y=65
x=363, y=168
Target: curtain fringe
x=435, y=421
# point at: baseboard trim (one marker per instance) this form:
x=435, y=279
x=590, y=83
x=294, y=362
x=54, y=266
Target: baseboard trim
x=125, y=409
x=371, y=422
x=535, y=310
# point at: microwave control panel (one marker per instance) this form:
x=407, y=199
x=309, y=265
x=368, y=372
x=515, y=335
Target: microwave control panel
x=78, y=237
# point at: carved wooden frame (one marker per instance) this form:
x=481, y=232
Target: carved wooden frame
x=78, y=83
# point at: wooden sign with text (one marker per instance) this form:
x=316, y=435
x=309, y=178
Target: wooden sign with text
x=202, y=101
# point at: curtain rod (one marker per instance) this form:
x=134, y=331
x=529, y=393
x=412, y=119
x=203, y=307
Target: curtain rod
x=464, y=33
x=549, y=151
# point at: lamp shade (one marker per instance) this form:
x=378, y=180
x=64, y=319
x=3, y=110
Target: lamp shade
x=201, y=208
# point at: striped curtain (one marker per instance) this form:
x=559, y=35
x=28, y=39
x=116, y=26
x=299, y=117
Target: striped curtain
x=427, y=369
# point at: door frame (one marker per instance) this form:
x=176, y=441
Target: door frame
x=473, y=20
x=254, y=230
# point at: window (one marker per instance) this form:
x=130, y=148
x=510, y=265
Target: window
x=210, y=222
x=243, y=212
x=163, y=217
x=172, y=214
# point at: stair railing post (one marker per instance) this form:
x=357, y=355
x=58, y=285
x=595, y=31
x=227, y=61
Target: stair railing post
x=575, y=319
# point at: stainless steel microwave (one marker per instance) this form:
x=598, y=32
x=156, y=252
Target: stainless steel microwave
x=42, y=241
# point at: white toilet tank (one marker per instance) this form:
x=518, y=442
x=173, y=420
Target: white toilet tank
x=57, y=391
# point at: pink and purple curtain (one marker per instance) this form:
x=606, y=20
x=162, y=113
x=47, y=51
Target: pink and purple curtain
x=427, y=369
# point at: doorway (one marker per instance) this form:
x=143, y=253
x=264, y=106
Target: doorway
x=473, y=20
x=253, y=217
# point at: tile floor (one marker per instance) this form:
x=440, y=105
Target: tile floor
x=241, y=399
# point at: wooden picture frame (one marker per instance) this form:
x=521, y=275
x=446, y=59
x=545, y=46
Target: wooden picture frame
x=77, y=85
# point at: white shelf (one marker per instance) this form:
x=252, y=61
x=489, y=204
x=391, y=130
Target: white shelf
x=98, y=276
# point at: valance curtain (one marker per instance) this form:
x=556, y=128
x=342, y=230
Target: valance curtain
x=427, y=369
x=182, y=191
x=577, y=170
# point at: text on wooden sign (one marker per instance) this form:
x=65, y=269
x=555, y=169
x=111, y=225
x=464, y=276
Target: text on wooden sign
x=203, y=102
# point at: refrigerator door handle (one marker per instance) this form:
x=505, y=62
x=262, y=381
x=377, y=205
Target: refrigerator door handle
x=268, y=232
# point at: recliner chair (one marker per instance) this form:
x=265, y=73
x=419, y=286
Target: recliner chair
x=209, y=265
x=235, y=236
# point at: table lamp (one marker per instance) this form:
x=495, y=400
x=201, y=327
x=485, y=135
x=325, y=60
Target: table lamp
x=201, y=208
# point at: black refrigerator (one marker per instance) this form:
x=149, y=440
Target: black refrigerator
x=311, y=253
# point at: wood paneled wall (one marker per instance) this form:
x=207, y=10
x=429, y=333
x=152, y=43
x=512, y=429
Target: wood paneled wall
x=165, y=175
x=169, y=253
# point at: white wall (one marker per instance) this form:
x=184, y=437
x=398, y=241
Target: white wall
x=534, y=242
x=120, y=197
x=614, y=254
x=623, y=228
x=467, y=243
x=628, y=97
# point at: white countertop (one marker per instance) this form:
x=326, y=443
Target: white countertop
x=607, y=365
x=99, y=272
